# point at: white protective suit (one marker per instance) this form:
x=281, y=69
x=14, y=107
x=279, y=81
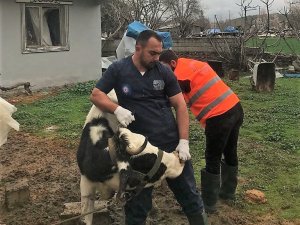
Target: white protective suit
x=6, y=121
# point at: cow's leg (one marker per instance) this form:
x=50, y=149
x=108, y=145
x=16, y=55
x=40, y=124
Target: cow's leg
x=124, y=174
x=106, y=192
x=87, y=190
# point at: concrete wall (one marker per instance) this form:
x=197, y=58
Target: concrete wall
x=202, y=49
x=179, y=45
x=192, y=44
x=81, y=63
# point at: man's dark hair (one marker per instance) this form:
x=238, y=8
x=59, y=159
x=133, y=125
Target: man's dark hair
x=167, y=56
x=145, y=35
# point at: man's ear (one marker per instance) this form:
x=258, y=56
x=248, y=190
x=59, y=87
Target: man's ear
x=185, y=85
x=138, y=47
x=173, y=64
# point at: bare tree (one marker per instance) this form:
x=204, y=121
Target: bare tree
x=246, y=6
x=153, y=13
x=268, y=4
x=184, y=13
x=292, y=15
x=233, y=50
x=149, y=12
x=114, y=15
x=118, y=13
x=203, y=22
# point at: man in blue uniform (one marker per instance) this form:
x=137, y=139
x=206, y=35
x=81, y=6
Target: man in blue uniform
x=146, y=91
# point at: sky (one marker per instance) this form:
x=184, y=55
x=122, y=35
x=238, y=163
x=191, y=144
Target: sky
x=228, y=8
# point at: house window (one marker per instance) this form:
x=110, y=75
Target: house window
x=45, y=27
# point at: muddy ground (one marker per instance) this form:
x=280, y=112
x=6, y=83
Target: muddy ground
x=53, y=177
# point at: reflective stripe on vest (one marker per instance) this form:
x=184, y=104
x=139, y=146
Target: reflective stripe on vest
x=213, y=104
x=202, y=90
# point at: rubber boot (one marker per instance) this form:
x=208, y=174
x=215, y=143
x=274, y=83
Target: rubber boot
x=198, y=219
x=143, y=223
x=210, y=188
x=228, y=181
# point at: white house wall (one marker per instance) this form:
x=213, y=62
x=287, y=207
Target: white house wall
x=81, y=63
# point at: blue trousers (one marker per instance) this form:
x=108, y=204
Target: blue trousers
x=184, y=189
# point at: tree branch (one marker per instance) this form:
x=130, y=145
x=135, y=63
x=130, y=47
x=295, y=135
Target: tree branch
x=25, y=84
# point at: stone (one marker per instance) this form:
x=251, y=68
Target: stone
x=2, y=199
x=2, y=203
x=73, y=209
x=17, y=193
x=255, y=196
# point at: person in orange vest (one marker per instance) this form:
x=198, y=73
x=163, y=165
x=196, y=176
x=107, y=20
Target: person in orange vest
x=219, y=111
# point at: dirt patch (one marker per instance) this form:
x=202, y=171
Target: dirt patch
x=50, y=167
x=18, y=96
x=51, y=171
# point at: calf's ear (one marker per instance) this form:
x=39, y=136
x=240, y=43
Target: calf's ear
x=185, y=85
x=108, y=133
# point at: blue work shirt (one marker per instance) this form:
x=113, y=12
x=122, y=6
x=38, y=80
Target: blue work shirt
x=147, y=97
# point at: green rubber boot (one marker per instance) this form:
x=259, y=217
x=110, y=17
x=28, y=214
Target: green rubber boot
x=198, y=219
x=210, y=188
x=228, y=181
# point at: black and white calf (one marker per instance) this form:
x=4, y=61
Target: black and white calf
x=113, y=159
x=96, y=113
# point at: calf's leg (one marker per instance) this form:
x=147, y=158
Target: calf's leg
x=87, y=190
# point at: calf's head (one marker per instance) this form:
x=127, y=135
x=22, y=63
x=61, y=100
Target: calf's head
x=135, y=143
x=136, y=154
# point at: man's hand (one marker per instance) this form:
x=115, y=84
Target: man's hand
x=183, y=150
x=124, y=116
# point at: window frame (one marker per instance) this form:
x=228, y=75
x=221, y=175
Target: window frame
x=64, y=27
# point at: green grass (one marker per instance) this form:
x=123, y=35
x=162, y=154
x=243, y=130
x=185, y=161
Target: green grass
x=66, y=111
x=269, y=144
x=273, y=45
x=269, y=147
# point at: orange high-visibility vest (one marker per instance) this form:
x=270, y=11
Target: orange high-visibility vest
x=209, y=95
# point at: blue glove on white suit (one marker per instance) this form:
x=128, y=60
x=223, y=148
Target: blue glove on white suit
x=183, y=150
x=124, y=116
